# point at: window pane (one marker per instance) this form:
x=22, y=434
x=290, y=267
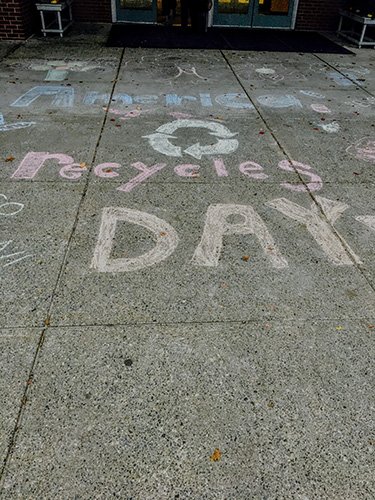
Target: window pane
x=136, y=4
x=233, y=6
x=274, y=7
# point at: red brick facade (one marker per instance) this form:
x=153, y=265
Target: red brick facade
x=320, y=15
x=19, y=18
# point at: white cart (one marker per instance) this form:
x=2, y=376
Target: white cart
x=58, y=24
x=357, y=31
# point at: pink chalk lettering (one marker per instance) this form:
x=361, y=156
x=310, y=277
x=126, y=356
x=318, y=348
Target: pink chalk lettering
x=250, y=166
x=316, y=182
x=220, y=168
x=73, y=171
x=104, y=170
x=187, y=170
x=145, y=173
x=32, y=162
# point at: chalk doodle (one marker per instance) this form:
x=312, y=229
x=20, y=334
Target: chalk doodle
x=160, y=140
x=274, y=74
x=5, y=127
x=188, y=71
x=279, y=101
x=9, y=209
x=310, y=93
x=320, y=108
x=366, y=102
x=331, y=127
x=364, y=149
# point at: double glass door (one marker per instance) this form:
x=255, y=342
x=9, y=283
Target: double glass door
x=254, y=13
x=251, y=13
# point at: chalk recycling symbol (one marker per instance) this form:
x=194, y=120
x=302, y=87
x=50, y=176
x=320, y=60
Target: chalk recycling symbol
x=225, y=144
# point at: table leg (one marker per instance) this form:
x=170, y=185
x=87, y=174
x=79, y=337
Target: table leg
x=60, y=23
x=43, y=23
x=362, y=35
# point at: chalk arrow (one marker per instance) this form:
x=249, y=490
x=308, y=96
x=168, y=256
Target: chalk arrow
x=223, y=146
x=217, y=129
x=369, y=220
x=160, y=142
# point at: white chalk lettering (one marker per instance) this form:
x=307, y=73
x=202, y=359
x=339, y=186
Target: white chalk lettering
x=209, y=249
x=64, y=96
x=333, y=245
x=165, y=236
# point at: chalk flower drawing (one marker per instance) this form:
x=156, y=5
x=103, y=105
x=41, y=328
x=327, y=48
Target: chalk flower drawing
x=9, y=209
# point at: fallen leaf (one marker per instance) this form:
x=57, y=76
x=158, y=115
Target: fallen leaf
x=83, y=165
x=47, y=321
x=370, y=326
x=270, y=248
x=10, y=159
x=339, y=328
x=163, y=234
x=245, y=257
x=109, y=170
x=216, y=456
x=271, y=405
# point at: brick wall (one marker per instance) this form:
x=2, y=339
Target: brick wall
x=17, y=19
x=92, y=11
x=321, y=15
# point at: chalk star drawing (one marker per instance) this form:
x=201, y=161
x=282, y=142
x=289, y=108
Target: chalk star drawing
x=160, y=140
x=4, y=127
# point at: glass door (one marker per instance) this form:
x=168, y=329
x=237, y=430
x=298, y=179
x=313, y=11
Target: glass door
x=254, y=13
x=137, y=11
x=273, y=14
x=233, y=12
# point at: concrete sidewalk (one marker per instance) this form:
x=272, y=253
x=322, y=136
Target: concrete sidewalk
x=187, y=244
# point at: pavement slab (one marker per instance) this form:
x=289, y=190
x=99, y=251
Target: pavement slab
x=138, y=412
x=187, y=262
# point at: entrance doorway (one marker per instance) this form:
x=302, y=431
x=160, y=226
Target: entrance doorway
x=250, y=13
x=254, y=13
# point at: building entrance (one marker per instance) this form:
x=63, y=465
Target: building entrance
x=254, y=13
x=250, y=13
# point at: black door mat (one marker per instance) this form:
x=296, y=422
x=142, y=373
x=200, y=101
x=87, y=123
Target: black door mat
x=159, y=37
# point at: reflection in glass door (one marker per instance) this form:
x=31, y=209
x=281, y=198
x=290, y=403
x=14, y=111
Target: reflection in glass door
x=255, y=13
x=139, y=11
x=233, y=12
x=273, y=13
